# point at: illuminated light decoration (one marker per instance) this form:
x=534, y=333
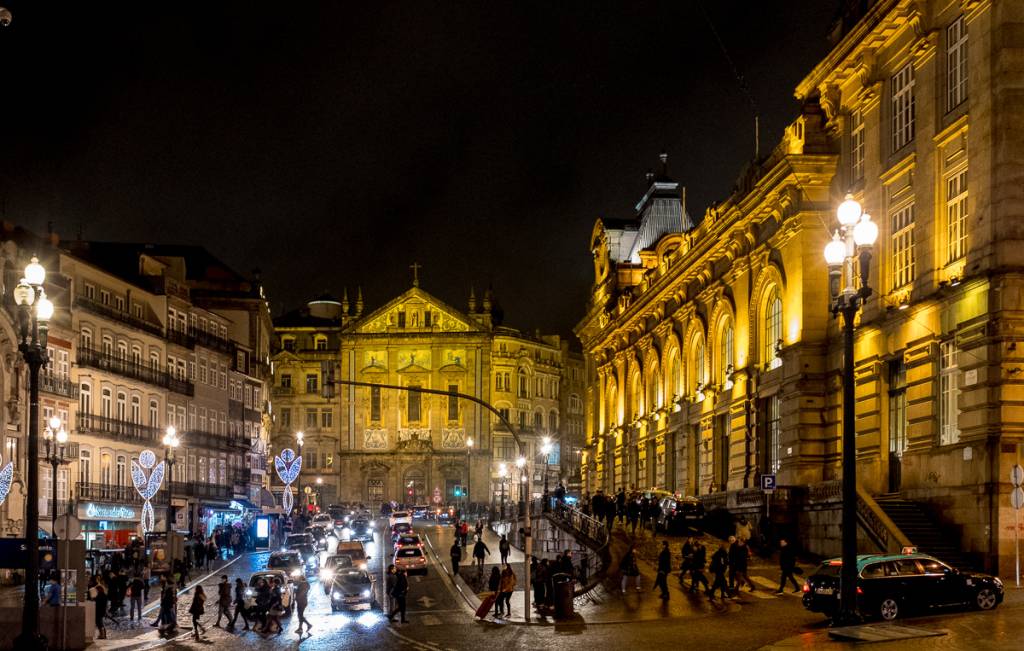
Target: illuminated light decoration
x=288, y=465
x=147, y=485
x=6, y=477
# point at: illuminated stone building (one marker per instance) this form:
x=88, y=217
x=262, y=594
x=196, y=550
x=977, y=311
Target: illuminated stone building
x=713, y=358
x=379, y=444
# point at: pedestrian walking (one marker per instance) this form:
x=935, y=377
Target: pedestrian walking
x=301, y=601
x=697, y=563
x=197, y=609
x=503, y=549
x=147, y=577
x=732, y=572
x=664, y=568
x=464, y=533
x=539, y=578
x=506, y=586
x=398, y=593
x=739, y=556
x=101, y=601
x=136, y=589
x=239, y=606
x=480, y=551
x=223, y=600
x=630, y=570
x=275, y=610
x=787, y=565
x=52, y=593
x=719, y=566
x=456, y=554
x=620, y=504
x=211, y=554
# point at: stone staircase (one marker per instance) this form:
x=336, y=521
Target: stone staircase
x=925, y=534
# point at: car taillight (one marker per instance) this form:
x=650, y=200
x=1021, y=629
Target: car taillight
x=807, y=586
x=860, y=591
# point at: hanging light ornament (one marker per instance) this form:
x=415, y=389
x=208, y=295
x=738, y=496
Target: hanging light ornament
x=147, y=485
x=288, y=466
x=6, y=476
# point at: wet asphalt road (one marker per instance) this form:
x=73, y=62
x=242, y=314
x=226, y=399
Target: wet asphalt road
x=440, y=621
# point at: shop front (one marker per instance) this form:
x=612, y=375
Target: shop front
x=215, y=516
x=107, y=525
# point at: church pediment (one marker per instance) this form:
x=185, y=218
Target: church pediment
x=412, y=312
x=413, y=368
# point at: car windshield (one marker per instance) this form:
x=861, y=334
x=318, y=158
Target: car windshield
x=408, y=540
x=409, y=552
x=305, y=549
x=284, y=560
x=339, y=561
x=360, y=524
x=830, y=568
x=296, y=539
x=269, y=578
x=354, y=578
x=402, y=527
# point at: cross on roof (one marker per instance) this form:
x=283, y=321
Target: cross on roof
x=415, y=266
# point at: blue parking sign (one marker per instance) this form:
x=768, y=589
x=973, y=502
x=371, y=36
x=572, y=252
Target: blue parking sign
x=768, y=482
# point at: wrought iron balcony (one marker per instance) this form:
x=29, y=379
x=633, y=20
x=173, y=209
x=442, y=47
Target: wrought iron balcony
x=210, y=340
x=120, y=429
x=181, y=338
x=110, y=312
x=201, y=489
x=92, y=358
x=91, y=491
x=58, y=384
x=216, y=441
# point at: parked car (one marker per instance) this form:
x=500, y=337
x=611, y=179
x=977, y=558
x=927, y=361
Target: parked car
x=892, y=585
x=677, y=512
x=399, y=517
x=411, y=559
x=352, y=589
x=332, y=565
x=287, y=588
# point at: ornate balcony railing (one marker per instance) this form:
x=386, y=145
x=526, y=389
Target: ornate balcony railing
x=92, y=358
x=98, y=492
x=200, y=489
x=58, y=385
x=110, y=312
x=121, y=429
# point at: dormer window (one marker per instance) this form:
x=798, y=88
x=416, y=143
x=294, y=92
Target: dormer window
x=288, y=343
x=320, y=342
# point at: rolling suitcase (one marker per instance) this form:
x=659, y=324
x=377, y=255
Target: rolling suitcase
x=487, y=604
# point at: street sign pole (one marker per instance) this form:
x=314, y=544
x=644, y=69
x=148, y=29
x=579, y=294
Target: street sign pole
x=1017, y=502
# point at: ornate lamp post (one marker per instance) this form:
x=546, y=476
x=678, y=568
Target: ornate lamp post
x=319, y=493
x=503, y=473
x=56, y=439
x=171, y=443
x=545, y=449
x=469, y=468
x=850, y=247
x=523, y=498
x=34, y=314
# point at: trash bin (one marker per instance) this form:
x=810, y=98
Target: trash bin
x=563, y=587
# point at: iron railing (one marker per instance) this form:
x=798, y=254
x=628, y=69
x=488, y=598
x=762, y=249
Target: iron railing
x=60, y=385
x=92, y=358
x=110, y=312
x=121, y=429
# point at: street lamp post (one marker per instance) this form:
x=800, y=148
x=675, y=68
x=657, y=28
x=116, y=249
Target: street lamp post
x=503, y=473
x=56, y=438
x=850, y=247
x=319, y=493
x=34, y=314
x=469, y=468
x=545, y=449
x=171, y=443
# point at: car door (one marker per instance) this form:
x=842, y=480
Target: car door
x=915, y=584
x=945, y=585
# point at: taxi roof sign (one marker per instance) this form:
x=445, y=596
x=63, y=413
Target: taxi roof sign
x=909, y=550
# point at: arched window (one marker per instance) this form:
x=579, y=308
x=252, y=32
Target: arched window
x=636, y=393
x=653, y=389
x=122, y=406
x=121, y=477
x=106, y=403
x=613, y=408
x=676, y=375
x=86, y=338
x=524, y=384
x=106, y=470
x=538, y=421
x=726, y=355
x=553, y=422
x=154, y=411
x=698, y=377
x=772, y=330
x=84, y=466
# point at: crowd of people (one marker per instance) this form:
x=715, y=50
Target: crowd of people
x=633, y=509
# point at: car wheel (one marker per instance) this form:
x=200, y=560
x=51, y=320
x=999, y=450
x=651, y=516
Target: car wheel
x=889, y=609
x=986, y=599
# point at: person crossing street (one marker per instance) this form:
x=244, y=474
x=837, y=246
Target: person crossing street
x=398, y=590
x=456, y=555
x=223, y=600
x=664, y=568
x=787, y=565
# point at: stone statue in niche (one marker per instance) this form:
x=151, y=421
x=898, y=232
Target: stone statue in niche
x=415, y=319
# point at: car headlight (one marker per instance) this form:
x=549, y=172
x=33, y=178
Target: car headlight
x=998, y=581
x=373, y=523
x=327, y=575
x=249, y=592
x=346, y=532
x=323, y=540
x=366, y=593
x=296, y=573
x=336, y=595
x=362, y=566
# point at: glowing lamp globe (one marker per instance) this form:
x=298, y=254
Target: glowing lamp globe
x=44, y=309
x=849, y=211
x=866, y=231
x=34, y=272
x=835, y=251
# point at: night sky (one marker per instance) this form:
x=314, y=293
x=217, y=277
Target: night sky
x=333, y=144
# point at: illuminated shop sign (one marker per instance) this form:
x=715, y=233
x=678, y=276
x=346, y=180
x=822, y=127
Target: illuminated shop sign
x=101, y=512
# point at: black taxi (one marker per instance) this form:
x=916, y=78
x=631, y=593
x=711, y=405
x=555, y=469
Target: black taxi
x=893, y=585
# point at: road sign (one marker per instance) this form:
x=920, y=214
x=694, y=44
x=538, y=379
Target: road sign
x=68, y=527
x=1017, y=498
x=437, y=496
x=1017, y=475
x=768, y=482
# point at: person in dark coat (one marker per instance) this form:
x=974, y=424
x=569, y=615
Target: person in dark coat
x=399, y=591
x=719, y=565
x=539, y=577
x=137, y=588
x=479, y=552
x=456, y=553
x=664, y=568
x=197, y=609
x=223, y=600
x=493, y=583
x=787, y=564
x=101, y=602
x=620, y=504
x=739, y=556
x=697, y=562
x=504, y=549
x=239, y=606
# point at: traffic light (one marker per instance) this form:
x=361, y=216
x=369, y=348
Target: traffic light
x=410, y=492
x=457, y=491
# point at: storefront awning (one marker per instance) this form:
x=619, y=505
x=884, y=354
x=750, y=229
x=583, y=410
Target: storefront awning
x=244, y=503
x=267, y=498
